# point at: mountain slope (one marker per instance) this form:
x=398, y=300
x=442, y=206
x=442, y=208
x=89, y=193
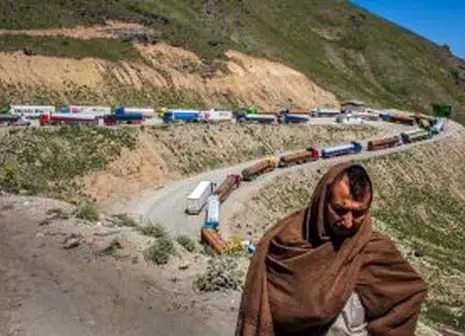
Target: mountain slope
x=340, y=46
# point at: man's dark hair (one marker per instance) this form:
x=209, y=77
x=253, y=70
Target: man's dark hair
x=359, y=182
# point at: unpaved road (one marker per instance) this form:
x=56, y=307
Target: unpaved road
x=167, y=205
x=46, y=290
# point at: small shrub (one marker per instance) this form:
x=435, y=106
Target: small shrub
x=222, y=274
x=87, y=210
x=122, y=220
x=156, y=231
x=161, y=251
x=187, y=242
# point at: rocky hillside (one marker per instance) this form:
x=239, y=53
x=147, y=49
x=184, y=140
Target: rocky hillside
x=419, y=200
x=70, y=163
x=222, y=55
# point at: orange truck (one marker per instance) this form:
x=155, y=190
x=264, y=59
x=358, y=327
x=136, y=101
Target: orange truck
x=383, y=143
x=259, y=168
x=229, y=184
x=310, y=154
x=212, y=238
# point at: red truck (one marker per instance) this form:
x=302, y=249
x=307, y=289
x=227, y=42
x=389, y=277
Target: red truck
x=310, y=154
x=229, y=184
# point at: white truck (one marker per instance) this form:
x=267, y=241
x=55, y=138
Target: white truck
x=198, y=197
x=31, y=111
x=213, y=212
x=215, y=115
x=98, y=111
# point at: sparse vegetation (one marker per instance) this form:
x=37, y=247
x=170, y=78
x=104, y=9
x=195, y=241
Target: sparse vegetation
x=222, y=274
x=120, y=220
x=160, y=251
x=154, y=230
x=87, y=210
x=187, y=242
x=108, y=49
x=51, y=161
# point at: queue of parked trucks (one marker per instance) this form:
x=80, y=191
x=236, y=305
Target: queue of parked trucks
x=207, y=193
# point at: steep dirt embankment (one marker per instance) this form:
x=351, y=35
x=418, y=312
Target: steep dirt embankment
x=163, y=154
x=419, y=200
x=162, y=74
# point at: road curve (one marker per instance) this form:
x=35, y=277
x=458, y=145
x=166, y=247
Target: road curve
x=167, y=205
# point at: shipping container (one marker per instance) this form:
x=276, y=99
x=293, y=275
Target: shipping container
x=352, y=148
x=229, y=184
x=258, y=118
x=67, y=119
x=320, y=113
x=416, y=135
x=146, y=112
x=310, y=154
x=98, y=111
x=397, y=118
x=216, y=115
x=32, y=111
x=212, y=238
x=198, y=197
x=259, y=168
x=212, y=219
x=126, y=117
x=383, y=143
x=293, y=118
x=181, y=115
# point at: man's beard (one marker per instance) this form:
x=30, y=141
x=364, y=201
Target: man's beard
x=341, y=232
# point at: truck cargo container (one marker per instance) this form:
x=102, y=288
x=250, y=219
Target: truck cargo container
x=214, y=115
x=229, y=184
x=293, y=118
x=259, y=168
x=352, y=148
x=400, y=119
x=259, y=118
x=198, y=197
x=413, y=136
x=98, y=111
x=146, y=112
x=212, y=238
x=320, y=113
x=298, y=112
x=67, y=119
x=126, y=117
x=181, y=115
x=383, y=143
x=310, y=154
x=212, y=219
x=31, y=111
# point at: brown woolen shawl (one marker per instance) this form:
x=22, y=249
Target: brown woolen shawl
x=298, y=280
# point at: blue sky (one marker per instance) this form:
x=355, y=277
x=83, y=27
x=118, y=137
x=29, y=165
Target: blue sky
x=442, y=21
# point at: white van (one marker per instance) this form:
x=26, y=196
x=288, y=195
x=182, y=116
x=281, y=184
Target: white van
x=198, y=197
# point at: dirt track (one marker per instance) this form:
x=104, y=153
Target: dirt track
x=47, y=290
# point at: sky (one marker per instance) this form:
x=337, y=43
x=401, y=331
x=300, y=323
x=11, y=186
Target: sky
x=442, y=21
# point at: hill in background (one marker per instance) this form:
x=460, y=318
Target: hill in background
x=341, y=47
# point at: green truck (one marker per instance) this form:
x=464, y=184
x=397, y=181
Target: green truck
x=442, y=110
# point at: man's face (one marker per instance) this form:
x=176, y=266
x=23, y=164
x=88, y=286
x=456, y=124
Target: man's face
x=344, y=213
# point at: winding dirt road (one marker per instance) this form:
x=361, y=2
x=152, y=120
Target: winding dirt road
x=167, y=205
